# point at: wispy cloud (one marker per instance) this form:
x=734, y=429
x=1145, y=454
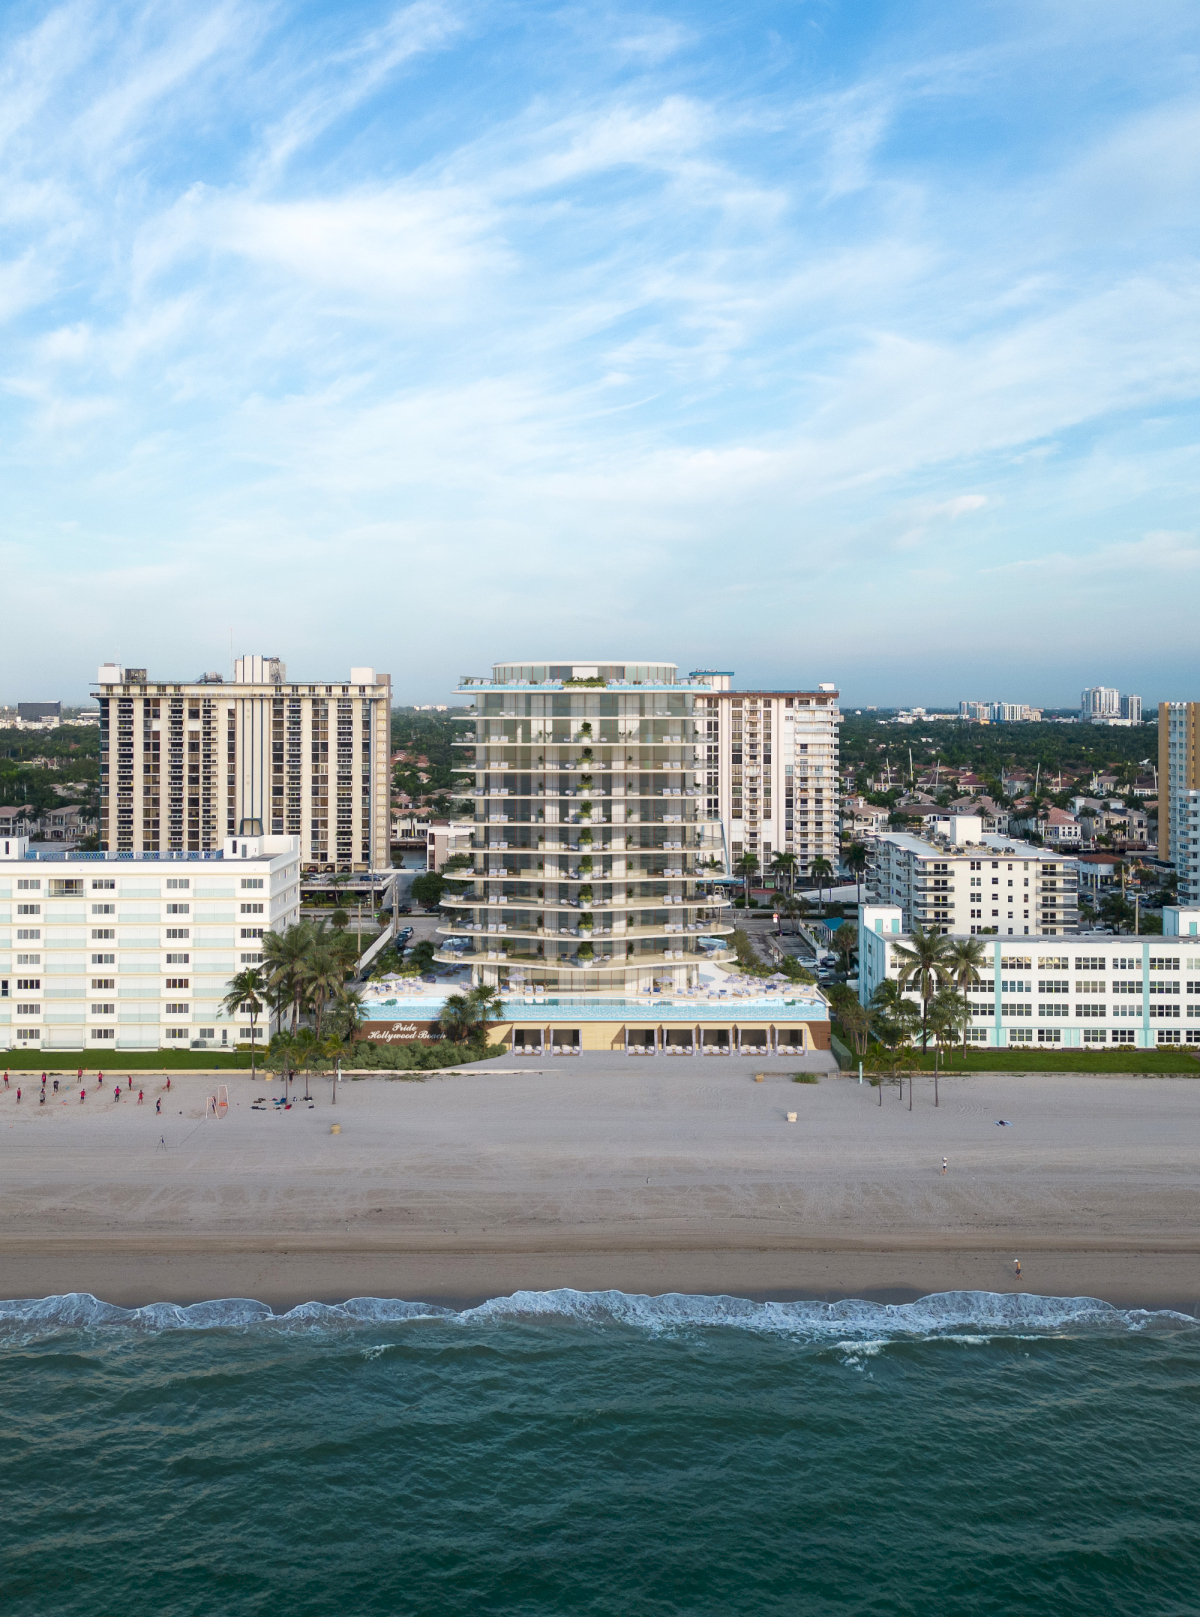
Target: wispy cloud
x=518, y=307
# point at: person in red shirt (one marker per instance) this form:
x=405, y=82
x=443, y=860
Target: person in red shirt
x=82, y=1096
x=141, y=1096
x=18, y=1091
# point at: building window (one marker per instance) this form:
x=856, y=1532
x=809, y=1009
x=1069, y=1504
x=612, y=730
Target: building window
x=176, y=1032
x=102, y=1033
x=101, y=934
x=104, y=960
x=252, y=882
x=178, y=883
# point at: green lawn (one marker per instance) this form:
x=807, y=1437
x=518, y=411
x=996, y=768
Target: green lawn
x=91, y=1060
x=1148, y=1061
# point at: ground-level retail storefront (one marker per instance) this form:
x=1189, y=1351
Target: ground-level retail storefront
x=651, y=1038
x=574, y=1025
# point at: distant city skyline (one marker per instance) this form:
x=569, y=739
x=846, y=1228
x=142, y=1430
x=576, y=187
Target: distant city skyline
x=799, y=336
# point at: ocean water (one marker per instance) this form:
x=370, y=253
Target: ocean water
x=569, y=1452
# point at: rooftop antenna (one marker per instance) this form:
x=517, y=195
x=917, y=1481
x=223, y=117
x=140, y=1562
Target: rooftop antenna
x=232, y=669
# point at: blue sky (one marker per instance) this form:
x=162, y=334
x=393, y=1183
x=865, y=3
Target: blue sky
x=818, y=341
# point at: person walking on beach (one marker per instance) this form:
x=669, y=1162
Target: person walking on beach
x=82, y=1096
x=79, y=1076
x=1017, y=1268
x=117, y=1092
x=158, y=1106
x=6, y=1077
x=56, y=1086
x=141, y=1096
x=168, y=1086
x=18, y=1094
x=100, y=1079
x=943, y=1164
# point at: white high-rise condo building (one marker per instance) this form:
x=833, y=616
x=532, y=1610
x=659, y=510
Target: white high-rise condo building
x=1100, y=702
x=1179, y=793
x=594, y=853
x=185, y=765
x=771, y=769
x=135, y=951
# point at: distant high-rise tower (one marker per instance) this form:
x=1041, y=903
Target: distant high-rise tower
x=1100, y=702
x=1179, y=793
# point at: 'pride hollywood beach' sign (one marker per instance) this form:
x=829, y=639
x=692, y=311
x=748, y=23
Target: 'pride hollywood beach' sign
x=400, y=1032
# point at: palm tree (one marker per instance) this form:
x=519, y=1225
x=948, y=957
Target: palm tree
x=466, y=1016
x=242, y=997
x=284, y=954
x=857, y=1022
x=845, y=943
x=791, y=908
x=857, y=859
x=949, y=1014
x=821, y=868
x=345, y=1014
x=305, y=1054
x=784, y=864
x=278, y=1056
x=925, y=964
x=323, y=975
x=745, y=868
x=965, y=956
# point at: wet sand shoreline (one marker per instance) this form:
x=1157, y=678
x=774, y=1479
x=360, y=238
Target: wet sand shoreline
x=467, y=1187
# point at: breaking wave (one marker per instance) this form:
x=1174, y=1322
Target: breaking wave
x=948, y=1315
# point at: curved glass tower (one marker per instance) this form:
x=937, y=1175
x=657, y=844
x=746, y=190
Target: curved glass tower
x=593, y=863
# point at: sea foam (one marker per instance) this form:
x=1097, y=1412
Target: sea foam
x=946, y=1315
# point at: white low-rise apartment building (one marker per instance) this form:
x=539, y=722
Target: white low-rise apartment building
x=969, y=881
x=1070, y=991
x=135, y=951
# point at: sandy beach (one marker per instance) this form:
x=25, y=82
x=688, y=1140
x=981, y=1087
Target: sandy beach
x=602, y=1173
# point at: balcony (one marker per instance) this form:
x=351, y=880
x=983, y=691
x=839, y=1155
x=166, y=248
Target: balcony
x=597, y=962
